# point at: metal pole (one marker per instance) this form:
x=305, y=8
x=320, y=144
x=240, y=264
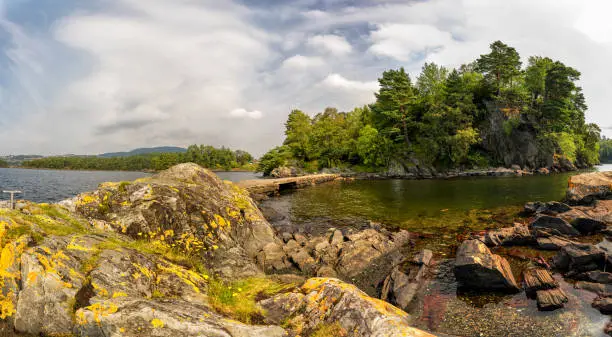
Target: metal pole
x=12, y=197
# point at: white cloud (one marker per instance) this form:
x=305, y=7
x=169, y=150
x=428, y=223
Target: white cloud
x=338, y=81
x=334, y=44
x=302, y=62
x=243, y=113
x=407, y=41
x=132, y=73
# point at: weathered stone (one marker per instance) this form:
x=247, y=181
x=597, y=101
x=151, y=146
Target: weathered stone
x=303, y=260
x=588, y=226
x=596, y=276
x=519, y=234
x=476, y=267
x=402, y=284
x=337, y=237
x=546, y=221
x=286, y=237
x=364, y=247
x=604, y=290
x=553, y=242
x=326, y=271
x=588, y=187
x=538, y=279
x=549, y=208
x=326, y=301
x=551, y=299
x=273, y=258
x=300, y=238
x=423, y=258
x=604, y=305
x=51, y=280
x=186, y=205
x=579, y=258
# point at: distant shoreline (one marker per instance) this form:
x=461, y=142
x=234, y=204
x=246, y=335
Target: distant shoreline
x=93, y=170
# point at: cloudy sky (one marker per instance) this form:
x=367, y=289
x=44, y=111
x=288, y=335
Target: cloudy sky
x=90, y=76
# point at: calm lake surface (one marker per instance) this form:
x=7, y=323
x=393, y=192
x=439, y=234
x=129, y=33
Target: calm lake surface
x=56, y=185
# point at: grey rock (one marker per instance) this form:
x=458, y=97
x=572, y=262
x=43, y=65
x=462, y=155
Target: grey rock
x=579, y=258
x=549, y=208
x=476, y=267
x=604, y=305
x=588, y=226
x=596, y=276
x=546, y=221
x=345, y=305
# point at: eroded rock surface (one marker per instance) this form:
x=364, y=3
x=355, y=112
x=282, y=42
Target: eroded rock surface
x=588, y=187
x=476, y=267
x=327, y=301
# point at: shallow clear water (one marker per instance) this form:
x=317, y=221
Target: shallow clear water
x=418, y=204
x=444, y=212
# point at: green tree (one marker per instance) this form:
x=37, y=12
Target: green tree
x=431, y=83
x=274, y=158
x=393, y=104
x=297, y=131
x=501, y=65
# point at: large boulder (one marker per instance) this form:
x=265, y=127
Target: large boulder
x=549, y=208
x=476, y=267
x=191, y=209
x=587, y=226
x=578, y=257
x=558, y=224
x=401, y=286
x=519, y=235
x=323, y=301
x=588, y=187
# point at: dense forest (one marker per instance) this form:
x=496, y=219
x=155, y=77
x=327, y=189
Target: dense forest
x=491, y=112
x=605, y=150
x=206, y=156
x=3, y=163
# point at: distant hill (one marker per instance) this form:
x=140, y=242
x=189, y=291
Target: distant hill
x=144, y=150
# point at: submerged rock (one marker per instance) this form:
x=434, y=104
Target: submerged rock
x=476, y=267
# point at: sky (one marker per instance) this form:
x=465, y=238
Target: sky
x=93, y=76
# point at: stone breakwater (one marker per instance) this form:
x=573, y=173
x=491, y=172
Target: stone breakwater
x=271, y=187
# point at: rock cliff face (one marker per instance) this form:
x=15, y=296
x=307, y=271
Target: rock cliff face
x=146, y=258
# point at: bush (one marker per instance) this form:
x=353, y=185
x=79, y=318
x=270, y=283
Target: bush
x=274, y=158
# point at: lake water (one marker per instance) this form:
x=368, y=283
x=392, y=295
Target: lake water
x=56, y=185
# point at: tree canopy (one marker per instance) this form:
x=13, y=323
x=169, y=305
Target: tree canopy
x=206, y=156
x=441, y=120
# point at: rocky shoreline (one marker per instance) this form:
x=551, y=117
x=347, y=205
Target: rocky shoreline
x=182, y=253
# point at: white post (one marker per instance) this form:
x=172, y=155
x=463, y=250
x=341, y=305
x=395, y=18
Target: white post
x=12, y=197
